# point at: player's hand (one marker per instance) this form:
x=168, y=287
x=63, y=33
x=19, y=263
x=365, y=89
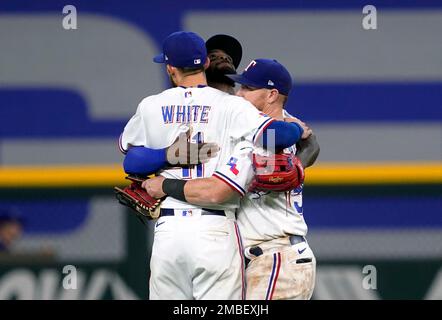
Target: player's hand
x=184, y=153
x=154, y=186
x=307, y=131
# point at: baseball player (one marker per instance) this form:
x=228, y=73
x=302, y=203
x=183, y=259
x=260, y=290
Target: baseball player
x=196, y=252
x=225, y=53
x=282, y=265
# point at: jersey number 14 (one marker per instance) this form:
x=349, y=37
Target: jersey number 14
x=189, y=172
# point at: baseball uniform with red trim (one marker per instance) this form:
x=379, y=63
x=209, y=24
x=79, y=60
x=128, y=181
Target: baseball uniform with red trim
x=197, y=252
x=282, y=264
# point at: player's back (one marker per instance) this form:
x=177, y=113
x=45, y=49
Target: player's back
x=210, y=114
x=176, y=110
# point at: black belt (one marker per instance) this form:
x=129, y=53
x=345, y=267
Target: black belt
x=205, y=212
x=257, y=251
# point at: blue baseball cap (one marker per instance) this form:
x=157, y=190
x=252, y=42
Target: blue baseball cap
x=265, y=73
x=184, y=50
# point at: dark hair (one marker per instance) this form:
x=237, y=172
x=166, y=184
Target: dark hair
x=191, y=70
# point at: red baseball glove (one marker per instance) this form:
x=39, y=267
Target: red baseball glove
x=278, y=172
x=136, y=197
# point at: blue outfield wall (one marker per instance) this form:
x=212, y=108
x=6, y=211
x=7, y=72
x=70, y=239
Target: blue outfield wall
x=377, y=212
x=392, y=102
x=51, y=113
x=47, y=112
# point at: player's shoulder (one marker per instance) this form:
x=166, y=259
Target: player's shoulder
x=215, y=92
x=288, y=115
x=145, y=101
x=235, y=101
x=153, y=99
x=225, y=99
x=164, y=94
x=148, y=100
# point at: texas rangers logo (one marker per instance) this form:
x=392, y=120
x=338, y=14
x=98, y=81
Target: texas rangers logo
x=232, y=163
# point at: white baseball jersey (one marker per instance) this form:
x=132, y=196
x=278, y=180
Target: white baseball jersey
x=238, y=170
x=263, y=216
x=212, y=115
x=279, y=272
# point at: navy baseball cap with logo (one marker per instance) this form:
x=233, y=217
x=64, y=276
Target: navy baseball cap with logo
x=184, y=50
x=265, y=73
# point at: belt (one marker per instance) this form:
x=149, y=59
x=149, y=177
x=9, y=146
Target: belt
x=204, y=212
x=257, y=251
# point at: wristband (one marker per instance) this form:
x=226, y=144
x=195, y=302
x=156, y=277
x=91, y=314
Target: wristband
x=174, y=188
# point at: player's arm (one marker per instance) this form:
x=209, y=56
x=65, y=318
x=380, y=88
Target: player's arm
x=204, y=192
x=133, y=133
x=307, y=150
x=146, y=161
x=139, y=160
x=285, y=135
x=201, y=192
x=227, y=182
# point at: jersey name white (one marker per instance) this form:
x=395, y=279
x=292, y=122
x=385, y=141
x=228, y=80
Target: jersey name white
x=210, y=114
x=185, y=114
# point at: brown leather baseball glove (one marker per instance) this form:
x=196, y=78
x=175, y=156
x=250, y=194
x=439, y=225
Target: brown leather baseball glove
x=136, y=198
x=277, y=172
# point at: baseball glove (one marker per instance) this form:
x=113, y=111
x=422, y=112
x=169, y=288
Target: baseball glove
x=136, y=197
x=277, y=172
